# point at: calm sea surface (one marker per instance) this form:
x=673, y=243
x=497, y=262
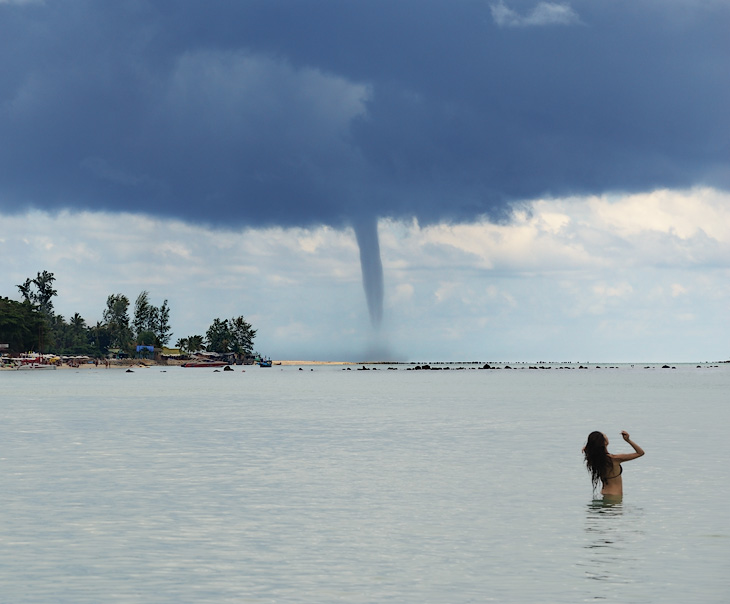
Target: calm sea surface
x=279, y=485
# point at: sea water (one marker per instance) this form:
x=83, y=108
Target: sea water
x=281, y=485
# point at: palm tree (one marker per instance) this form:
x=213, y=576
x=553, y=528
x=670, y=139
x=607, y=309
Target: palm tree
x=195, y=343
x=191, y=344
x=77, y=322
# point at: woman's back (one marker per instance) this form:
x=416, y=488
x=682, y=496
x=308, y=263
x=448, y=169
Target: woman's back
x=613, y=485
x=605, y=467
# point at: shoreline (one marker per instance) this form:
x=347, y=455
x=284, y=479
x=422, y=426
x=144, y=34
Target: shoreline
x=147, y=364
x=289, y=363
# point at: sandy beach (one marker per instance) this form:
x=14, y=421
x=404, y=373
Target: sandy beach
x=313, y=363
x=112, y=365
x=136, y=363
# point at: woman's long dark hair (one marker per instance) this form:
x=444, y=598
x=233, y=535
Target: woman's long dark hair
x=598, y=462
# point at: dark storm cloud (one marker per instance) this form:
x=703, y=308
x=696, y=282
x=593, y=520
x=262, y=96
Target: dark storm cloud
x=328, y=111
x=294, y=113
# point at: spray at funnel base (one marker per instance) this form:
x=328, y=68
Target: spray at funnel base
x=366, y=231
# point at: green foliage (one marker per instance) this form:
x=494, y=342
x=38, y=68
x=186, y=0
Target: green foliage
x=146, y=338
x=218, y=336
x=143, y=314
x=100, y=339
x=59, y=334
x=191, y=344
x=79, y=336
x=235, y=336
x=22, y=326
x=164, y=333
x=149, y=318
x=76, y=338
x=32, y=324
x=242, y=336
x=39, y=291
x=116, y=319
x=196, y=343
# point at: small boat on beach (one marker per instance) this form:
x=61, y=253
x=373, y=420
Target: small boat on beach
x=208, y=359
x=33, y=362
x=204, y=363
x=265, y=363
x=34, y=367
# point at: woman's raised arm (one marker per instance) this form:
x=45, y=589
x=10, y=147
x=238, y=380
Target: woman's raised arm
x=629, y=456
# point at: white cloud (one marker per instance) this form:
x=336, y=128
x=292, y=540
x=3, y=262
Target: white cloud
x=446, y=291
x=527, y=243
x=681, y=214
x=543, y=14
x=619, y=290
x=403, y=293
x=687, y=317
x=172, y=248
x=561, y=280
x=678, y=290
x=548, y=13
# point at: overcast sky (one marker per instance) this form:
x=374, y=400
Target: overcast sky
x=549, y=179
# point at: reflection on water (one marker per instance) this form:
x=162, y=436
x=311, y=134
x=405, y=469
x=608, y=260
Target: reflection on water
x=611, y=529
x=601, y=529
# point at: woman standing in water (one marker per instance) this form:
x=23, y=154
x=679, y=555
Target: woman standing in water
x=606, y=467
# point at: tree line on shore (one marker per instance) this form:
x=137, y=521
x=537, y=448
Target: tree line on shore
x=33, y=324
